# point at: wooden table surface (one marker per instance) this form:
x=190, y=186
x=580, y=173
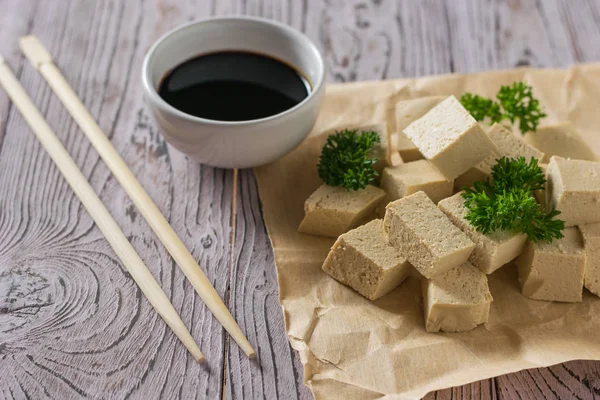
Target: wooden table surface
x=72, y=322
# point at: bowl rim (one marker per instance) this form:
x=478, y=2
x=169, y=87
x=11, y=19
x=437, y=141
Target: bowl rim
x=158, y=101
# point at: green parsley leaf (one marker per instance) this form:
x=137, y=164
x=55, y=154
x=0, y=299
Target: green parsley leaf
x=480, y=107
x=517, y=173
x=345, y=159
x=505, y=202
x=518, y=103
x=515, y=102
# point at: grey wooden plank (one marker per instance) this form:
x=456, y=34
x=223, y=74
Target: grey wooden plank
x=277, y=372
x=13, y=27
x=72, y=323
x=572, y=380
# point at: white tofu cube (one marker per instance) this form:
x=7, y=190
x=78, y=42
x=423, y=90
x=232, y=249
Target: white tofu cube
x=511, y=145
x=450, y=138
x=480, y=172
x=363, y=260
x=331, y=211
x=553, y=271
x=591, y=244
x=457, y=300
x=561, y=140
x=408, y=111
x=425, y=236
x=573, y=188
x=382, y=149
x=540, y=194
x=409, y=178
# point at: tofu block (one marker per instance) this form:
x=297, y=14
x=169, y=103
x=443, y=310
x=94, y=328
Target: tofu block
x=480, y=172
x=331, y=211
x=591, y=245
x=407, y=150
x=492, y=250
x=425, y=236
x=573, y=188
x=362, y=259
x=380, y=209
x=561, y=140
x=540, y=194
x=507, y=144
x=511, y=145
x=553, y=271
x=457, y=300
x=409, y=178
x=381, y=150
x=450, y=138
x=408, y=111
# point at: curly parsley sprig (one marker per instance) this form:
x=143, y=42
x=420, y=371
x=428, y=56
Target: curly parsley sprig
x=516, y=173
x=345, y=159
x=480, y=107
x=514, y=103
x=505, y=202
x=518, y=103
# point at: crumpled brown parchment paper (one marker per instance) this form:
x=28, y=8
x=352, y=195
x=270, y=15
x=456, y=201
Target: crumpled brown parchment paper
x=353, y=348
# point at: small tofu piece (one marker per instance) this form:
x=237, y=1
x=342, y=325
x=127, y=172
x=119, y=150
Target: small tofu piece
x=573, y=188
x=407, y=150
x=512, y=146
x=425, y=236
x=362, y=259
x=591, y=244
x=408, y=111
x=492, y=250
x=553, y=271
x=380, y=150
x=480, y=172
x=540, y=194
x=450, y=138
x=562, y=140
x=409, y=178
x=380, y=209
x=331, y=211
x=507, y=144
x=457, y=300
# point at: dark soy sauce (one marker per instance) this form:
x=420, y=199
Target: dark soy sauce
x=233, y=86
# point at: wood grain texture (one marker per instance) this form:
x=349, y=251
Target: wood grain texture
x=276, y=373
x=72, y=323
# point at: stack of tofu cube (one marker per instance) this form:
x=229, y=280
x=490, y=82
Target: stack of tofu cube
x=425, y=228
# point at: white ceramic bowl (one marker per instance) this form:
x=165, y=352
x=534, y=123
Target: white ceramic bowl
x=240, y=144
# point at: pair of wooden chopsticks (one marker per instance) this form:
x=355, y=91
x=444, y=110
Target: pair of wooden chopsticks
x=41, y=59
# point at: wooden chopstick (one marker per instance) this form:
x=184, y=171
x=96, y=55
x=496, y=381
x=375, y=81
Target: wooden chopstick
x=41, y=59
x=109, y=228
